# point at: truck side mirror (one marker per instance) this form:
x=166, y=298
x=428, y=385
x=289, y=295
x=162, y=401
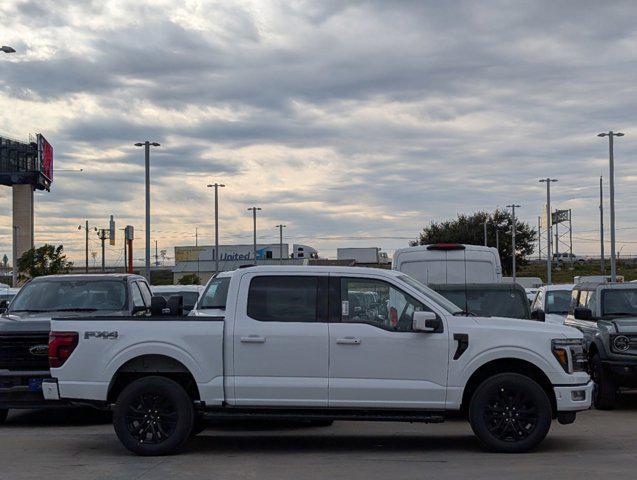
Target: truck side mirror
x=175, y=304
x=427, y=322
x=158, y=306
x=582, y=313
x=538, y=315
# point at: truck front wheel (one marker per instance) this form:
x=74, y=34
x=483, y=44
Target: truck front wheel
x=153, y=416
x=510, y=413
x=605, y=392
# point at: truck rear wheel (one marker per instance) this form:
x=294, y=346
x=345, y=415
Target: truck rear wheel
x=3, y=414
x=153, y=416
x=605, y=392
x=510, y=413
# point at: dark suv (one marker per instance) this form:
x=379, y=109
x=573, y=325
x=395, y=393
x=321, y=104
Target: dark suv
x=607, y=315
x=24, y=326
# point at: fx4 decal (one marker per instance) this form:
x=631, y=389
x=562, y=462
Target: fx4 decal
x=102, y=335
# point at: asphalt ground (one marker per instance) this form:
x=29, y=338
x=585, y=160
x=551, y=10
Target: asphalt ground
x=80, y=444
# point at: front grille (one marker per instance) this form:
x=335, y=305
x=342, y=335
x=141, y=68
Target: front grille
x=16, y=354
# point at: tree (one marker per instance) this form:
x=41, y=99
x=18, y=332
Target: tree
x=45, y=260
x=469, y=229
x=190, y=279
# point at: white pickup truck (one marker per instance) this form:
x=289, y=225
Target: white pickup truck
x=321, y=344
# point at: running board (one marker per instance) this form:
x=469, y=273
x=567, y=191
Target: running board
x=368, y=415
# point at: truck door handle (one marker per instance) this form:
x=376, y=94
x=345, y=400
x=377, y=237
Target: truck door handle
x=348, y=341
x=253, y=339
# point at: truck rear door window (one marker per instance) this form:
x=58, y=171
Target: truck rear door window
x=283, y=298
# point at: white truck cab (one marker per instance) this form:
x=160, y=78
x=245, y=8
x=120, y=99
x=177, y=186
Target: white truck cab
x=325, y=344
x=445, y=263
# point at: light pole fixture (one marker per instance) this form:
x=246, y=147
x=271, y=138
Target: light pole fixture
x=7, y=49
x=549, y=222
x=281, y=227
x=147, y=146
x=611, y=160
x=254, y=230
x=216, y=186
x=513, y=228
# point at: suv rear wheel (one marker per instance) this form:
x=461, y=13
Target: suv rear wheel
x=605, y=392
x=153, y=416
x=510, y=413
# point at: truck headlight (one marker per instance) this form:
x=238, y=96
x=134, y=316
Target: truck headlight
x=569, y=352
x=621, y=343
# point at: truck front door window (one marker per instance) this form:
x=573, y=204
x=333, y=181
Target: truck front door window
x=138, y=300
x=378, y=303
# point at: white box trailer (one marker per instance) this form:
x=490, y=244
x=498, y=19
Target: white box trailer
x=362, y=255
x=444, y=263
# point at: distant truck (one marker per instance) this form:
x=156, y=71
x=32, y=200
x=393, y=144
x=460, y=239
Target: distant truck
x=444, y=263
x=597, y=279
x=25, y=326
x=363, y=255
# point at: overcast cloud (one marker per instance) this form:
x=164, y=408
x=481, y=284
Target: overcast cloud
x=354, y=123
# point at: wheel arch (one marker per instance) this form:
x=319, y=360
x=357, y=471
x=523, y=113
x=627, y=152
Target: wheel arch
x=152, y=365
x=508, y=365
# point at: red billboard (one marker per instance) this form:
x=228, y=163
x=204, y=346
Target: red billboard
x=45, y=157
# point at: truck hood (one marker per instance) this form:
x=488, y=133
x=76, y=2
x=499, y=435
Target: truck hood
x=8, y=325
x=47, y=316
x=625, y=324
x=528, y=326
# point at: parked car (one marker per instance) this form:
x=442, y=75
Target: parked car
x=449, y=263
x=25, y=326
x=567, y=257
x=212, y=302
x=294, y=344
x=6, y=295
x=488, y=299
x=189, y=293
x=606, y=313
x=552, y=303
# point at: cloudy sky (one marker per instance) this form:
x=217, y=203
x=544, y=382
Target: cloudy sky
x=354, y=123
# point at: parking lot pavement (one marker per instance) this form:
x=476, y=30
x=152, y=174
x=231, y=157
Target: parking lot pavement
x=80, y=444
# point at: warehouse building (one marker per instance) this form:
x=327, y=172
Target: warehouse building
x=200, y=260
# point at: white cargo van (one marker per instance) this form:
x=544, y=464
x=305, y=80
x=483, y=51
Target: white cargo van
x=444, y=263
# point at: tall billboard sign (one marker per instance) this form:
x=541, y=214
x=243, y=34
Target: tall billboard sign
x=45, y=157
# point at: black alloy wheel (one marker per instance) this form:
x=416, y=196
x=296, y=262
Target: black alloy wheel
x=510, y=412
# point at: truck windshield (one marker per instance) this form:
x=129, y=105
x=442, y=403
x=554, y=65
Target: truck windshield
x=190, y=298
x=490, y=302
x=68, y=296
x=435, y=297
x=619, y=302
x=215, y=294
x=558, y=301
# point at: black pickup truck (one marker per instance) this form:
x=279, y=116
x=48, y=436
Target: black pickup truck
x=24, y=326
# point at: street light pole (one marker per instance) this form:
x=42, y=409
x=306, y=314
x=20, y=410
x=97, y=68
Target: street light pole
x=549, y=256
x=601, y=226
x=216, y=186
x=254, y=223
x=281, y=227
x=513, y=228
x=147, y=146
x=485, y=233
x=613, y=260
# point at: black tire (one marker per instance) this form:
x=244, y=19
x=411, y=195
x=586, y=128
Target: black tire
x=3, y=414
x=153, y=416
x=605, y=391
x=510, y=413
